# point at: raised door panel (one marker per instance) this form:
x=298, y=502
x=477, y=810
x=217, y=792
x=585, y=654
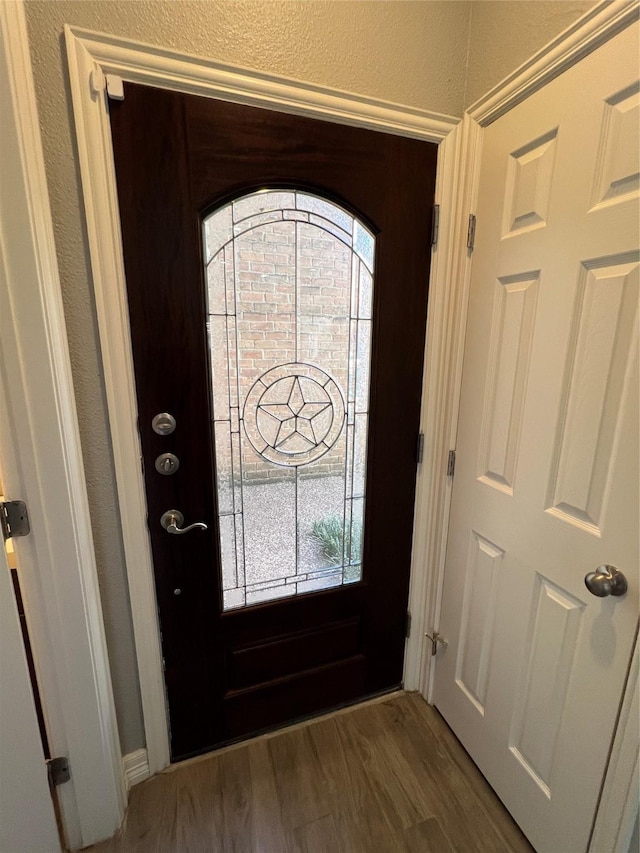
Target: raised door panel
x=617, y=177
x=547, y=664
x=475, y=641
x=597, y=379
x=509, y=352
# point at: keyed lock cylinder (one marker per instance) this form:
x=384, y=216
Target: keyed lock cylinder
x=167, y=463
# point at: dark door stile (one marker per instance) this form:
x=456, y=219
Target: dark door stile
x=177, y=157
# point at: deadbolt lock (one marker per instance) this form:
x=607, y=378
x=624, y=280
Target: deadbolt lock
x=167, y=463
x=164, y=423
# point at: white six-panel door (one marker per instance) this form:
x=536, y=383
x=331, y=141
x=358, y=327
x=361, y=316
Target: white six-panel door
x=546, y=481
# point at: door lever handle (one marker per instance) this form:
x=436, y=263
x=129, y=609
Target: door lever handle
x=172, y=521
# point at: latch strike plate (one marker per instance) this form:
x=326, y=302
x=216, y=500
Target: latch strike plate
x=58, y=771
x=420, y=449
x=14, y=519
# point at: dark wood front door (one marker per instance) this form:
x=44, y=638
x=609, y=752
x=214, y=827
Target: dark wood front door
x=277, y=271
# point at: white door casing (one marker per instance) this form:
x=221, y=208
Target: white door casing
x=546, y=483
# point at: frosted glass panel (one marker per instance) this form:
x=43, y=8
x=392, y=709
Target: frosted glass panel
x=289, y=283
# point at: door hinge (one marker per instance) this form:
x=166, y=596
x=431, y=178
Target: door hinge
x=58, y=771
x=451, y=463
x=14, y=519
x=420, y=448
x=407, y=630
x=471, y=232
x=435, y=225
x=435, y=639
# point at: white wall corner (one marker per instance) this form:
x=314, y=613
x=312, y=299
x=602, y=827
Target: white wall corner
x=136, y=767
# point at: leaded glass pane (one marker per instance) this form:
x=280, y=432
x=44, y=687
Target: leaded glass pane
x=327, y=210
x=261, y=202
x=289, y=289
x=363, y=243
x=217, y=232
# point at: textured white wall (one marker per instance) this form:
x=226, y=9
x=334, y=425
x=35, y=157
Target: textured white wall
x=412, y=53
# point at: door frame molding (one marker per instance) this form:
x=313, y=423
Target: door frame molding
x=42, y=464
x=96, y=61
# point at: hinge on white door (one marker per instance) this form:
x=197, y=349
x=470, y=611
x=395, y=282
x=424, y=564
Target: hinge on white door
x=451, y=463
x=471, y=232
x=420, y=448
x=58, y=771
x=407, y=630
x=435, y=639
x=14, y=519
x=435, y=225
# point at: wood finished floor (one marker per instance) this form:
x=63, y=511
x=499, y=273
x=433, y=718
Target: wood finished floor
x=384, y=777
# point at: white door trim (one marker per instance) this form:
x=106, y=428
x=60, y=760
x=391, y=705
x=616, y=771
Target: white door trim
x=42, y=464
x=91, y=58
x=171, y=69
x=446, y=321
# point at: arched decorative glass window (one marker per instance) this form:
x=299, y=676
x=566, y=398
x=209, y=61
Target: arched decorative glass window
x=290, y=293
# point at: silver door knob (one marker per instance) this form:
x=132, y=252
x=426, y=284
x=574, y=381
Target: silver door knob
x=172, y=521
x=606, y=580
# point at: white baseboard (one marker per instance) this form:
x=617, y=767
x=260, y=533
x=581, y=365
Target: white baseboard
x=136, y=767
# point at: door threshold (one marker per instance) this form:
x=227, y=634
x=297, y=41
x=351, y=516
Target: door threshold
x=274, y=731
